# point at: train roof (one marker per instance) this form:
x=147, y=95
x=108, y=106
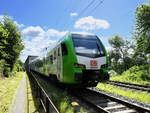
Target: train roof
x=30, y=58
x=82, y=33
x=75, y=33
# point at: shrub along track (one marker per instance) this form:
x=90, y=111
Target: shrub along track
x=130, y=85
x=49, y=82
x=42, y=95
x=107, y=104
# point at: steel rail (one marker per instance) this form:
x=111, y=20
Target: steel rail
x=130, y=85
x=96, y=108
x=100, y=103
x=100, y=107
x=131, y=105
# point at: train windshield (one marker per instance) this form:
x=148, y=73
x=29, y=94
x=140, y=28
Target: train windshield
x=89, y=46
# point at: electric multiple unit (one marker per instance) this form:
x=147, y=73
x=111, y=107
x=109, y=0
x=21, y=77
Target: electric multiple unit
x=77, y=59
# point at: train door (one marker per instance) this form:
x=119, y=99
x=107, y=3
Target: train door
x=59, y=63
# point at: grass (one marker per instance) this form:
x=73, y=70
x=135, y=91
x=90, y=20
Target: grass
x=8, y=88
x=138, y=95
x=136, y=74
x=31, y=103
x=60, y=99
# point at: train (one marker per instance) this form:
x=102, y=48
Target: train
x=78, y=59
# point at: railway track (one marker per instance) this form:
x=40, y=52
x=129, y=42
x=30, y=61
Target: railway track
x=103, y=103
x=107, y=104
x=130, y=85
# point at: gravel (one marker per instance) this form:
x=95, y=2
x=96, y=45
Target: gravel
x=146, y=105
x=125, y=88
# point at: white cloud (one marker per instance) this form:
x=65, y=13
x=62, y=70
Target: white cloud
x=73, y=14
x=32, y=31
x=55, y=33
x=36, y=40
x=90, y=23
x=19, y=25
x=1, y=17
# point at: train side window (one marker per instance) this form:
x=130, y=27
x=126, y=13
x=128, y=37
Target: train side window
x=64, y=49
x=51, y=59
x=58, y=51
x=54, y=55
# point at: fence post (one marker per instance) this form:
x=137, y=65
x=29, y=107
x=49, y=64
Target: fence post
x=42, y=96
x=47, y=105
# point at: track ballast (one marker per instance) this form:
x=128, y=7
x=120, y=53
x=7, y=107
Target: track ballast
x=130, y=85
x=107, y=104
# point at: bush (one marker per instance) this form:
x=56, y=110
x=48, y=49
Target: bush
x=6, y=71
x=2, y=64
x=113, y=73
x=136, y=74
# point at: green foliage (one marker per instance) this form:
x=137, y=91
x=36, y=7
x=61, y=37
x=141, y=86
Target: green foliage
x=138, y=95
x=6, y=71
x=120, y=56
x=3, y=43
x=62, y=102
x=14, y=41
x=60, y=99
x=2, y=64
x=116, y=41
x=112, y=73
x=10, y=44
x=8, y=88
x=136, y=74
x=143, y=17
x=18, y=66
x=142, y=33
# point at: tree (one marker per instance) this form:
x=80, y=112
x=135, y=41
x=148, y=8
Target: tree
x=18, y=66
x=121, y=53
x=3, y=42
x=13, y=46
x=142, y=32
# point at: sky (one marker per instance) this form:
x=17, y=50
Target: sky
x=43, y=22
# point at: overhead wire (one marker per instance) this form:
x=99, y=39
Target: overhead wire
x=68, y=24
x=72, y=10
x=81, y=13
x=100, y=2
x=86, y=8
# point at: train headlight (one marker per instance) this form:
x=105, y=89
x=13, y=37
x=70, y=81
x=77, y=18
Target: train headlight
x=79, y=65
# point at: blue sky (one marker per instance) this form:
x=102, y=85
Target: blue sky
x=43, y=22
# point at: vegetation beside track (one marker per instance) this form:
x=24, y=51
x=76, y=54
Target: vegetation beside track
x=10, y=47
x=59, y=98
x=137, y=95
x=31, y=102
x=136, y=74
x=8, y=87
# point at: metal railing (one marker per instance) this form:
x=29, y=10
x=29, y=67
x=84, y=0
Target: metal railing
x=45, y=100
